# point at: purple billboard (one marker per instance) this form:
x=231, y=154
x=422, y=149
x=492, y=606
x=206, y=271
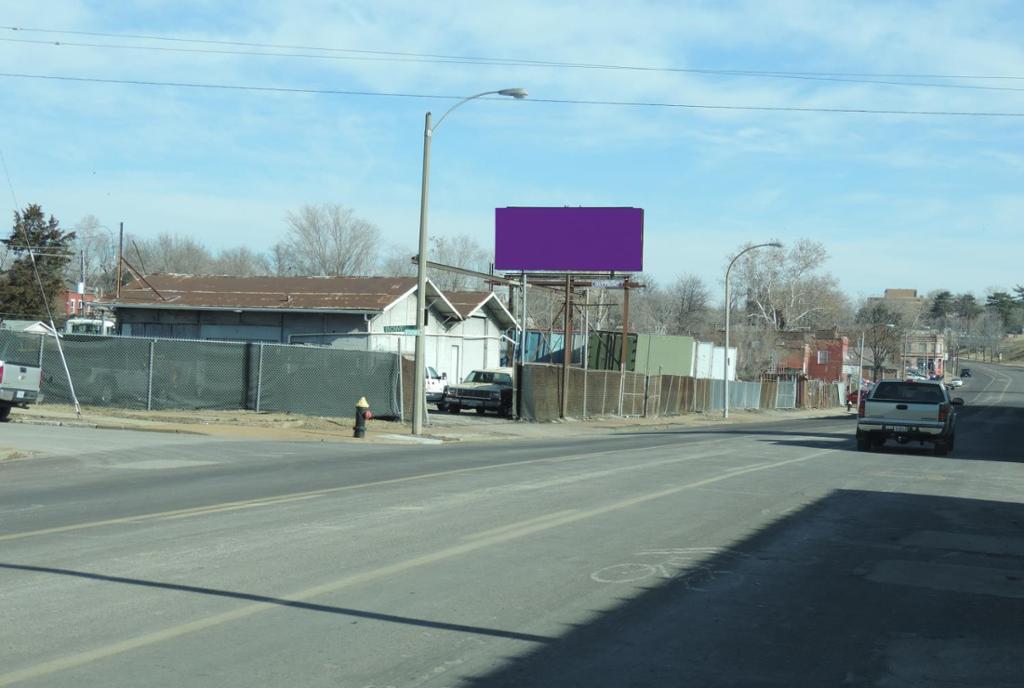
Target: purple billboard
x=569, y=239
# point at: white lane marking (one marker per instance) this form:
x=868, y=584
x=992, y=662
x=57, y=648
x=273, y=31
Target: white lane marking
x=79, y=659
x=159, y=464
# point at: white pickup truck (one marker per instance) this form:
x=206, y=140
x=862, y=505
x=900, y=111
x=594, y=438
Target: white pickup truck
x=908, y=411
x=20, y=375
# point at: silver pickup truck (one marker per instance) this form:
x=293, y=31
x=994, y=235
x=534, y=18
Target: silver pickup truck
x=908, y=411
x=20, y=375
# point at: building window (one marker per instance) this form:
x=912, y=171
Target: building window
x=822, y=357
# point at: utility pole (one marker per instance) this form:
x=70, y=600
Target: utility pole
x=120, y=260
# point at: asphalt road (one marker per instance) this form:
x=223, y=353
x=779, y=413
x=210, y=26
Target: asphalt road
x=753, y=555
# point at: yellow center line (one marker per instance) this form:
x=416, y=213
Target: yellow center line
x=516, y=531
x=248, y=503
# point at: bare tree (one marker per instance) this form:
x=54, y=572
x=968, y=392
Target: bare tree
x=650, y=308
x=459, y=251
x=689, y=301
x=168, y=253
x=327, y=239
x=758, y=349
x=241, y=261
x=783, y=289
x=94, y=247
x=883, y=332
x=987, y=331
x=397, y=262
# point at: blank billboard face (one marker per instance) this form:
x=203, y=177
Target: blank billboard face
x=569, y=239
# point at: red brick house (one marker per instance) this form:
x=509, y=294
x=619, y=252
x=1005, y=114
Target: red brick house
x=77, y=305
x=816, y=355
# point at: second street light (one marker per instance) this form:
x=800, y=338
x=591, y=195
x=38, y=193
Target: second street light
x=725, y=355
x=419, y=401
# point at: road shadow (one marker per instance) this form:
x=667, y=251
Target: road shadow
x=278, y=601
x=859, y=589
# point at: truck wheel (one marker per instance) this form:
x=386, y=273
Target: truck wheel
x=863, y=443
x=940, y=449
x=441, y=406
x=454, y=408
x=5, y=413
x=481, y=411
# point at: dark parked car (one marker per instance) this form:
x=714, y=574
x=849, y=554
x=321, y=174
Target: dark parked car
x=483, y=390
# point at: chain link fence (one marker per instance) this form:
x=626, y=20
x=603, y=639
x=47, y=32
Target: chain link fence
x=158, y=374
x=162, y=374
x=786, y=396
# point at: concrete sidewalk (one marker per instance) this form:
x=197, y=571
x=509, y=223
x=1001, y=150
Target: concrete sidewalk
x=442, y=428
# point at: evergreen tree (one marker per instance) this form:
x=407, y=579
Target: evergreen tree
x=942, y=307
x=1002, y=303
x=19, y=290
x=966, y=306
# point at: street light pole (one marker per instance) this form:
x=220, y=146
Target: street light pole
x=419, y=401
x=725, y=356
x=860, y=371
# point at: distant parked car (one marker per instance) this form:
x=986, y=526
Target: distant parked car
x=20, y=375
x=955, y=382
x=435, y=385
x=852, y=398
x=965, y=372
x=484, y=390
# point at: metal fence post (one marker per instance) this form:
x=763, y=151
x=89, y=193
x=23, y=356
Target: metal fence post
x=42, y=343
x=149, y=381
x=259, y=378
x=401, y=390
x=622, y=390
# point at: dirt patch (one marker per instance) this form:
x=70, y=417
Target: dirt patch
x=287, y=427
x=14, y=454
x=247, y=424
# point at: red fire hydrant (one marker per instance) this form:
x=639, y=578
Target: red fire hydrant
x=362, y=415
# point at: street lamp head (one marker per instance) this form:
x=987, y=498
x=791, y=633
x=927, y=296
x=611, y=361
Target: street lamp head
x=517, y=93
x=776, y=244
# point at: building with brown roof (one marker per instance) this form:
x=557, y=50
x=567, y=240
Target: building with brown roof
x=368, y=313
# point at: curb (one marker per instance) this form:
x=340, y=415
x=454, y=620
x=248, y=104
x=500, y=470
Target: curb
x=56, y=423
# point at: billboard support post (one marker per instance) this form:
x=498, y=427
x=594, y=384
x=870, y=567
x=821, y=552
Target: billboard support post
x=566, y=347
x=522, y=328
x=625, y=342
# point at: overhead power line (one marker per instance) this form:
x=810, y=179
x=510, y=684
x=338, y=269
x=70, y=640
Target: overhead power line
x=514, y=63
x=561, y=101
x=320, y=52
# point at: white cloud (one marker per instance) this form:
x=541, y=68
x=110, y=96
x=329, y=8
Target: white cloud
x=229, y=164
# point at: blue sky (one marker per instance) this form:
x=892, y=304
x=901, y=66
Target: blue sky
x=898, y=200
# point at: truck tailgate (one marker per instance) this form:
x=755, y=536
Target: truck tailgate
x=19, y=377
x=901, y=412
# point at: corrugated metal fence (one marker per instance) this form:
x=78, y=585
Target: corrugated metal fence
x=591, y=393
x=606, y=393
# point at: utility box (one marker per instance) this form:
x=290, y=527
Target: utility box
x=604, y=350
